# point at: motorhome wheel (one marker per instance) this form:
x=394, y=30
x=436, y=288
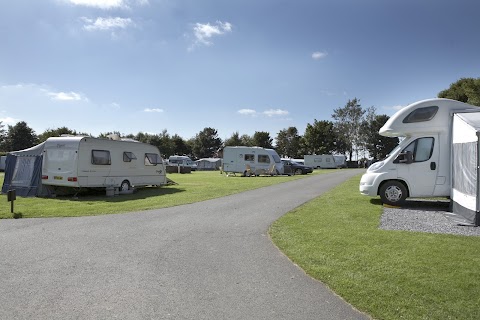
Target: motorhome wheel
x=393, y=192
x=125, y=185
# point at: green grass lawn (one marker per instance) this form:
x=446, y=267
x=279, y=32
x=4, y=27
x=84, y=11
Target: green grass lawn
x=387, y=274
x=194, y=187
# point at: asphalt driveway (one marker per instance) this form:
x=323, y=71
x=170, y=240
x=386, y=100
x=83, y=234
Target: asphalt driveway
x=208, y=260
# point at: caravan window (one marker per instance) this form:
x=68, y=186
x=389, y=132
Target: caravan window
x=421, y=114
x=101, y=157
x=250, y=157
x=152, y=159
x=263, y=158
x=128, y=156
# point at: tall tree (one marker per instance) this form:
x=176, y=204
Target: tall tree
x=319, y=138
x=234, y=140
x=206, y=143
x=181, y=147
x=3, y=136
x=246, y=140
x=288, y=143
x=465, y=90
x=348, y=124
x=262, y=139
x=20, y=136
x=377, y=146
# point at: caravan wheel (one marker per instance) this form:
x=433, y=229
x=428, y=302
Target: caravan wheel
x=125, y=185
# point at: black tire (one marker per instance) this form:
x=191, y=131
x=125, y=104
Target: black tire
x=393, y=193
x=125, y=186
x=298, y=171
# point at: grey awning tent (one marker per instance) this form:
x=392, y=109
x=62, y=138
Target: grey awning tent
x=465, y=168
x=23, y=172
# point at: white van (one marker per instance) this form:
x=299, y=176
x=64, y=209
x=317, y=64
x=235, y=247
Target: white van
x=420, y=166
x=182, y=161
x=84, y=162
x=251, y=161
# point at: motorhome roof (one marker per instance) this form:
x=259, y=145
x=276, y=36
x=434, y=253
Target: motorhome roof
x=436, y=113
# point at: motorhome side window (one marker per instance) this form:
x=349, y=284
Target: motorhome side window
x=421, y=149
x=263, y=158
x=152, y=159
x=101, y=157
x=128, y=157
x=249, y=157
x=421, y=114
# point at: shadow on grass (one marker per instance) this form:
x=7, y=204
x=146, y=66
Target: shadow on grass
x=142, y=193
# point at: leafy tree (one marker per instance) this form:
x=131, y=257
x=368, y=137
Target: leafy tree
x=464, y=90
x=378, y=146
x=288, y=143
x=262, y=139
x=3, y=136
x=59, y=132
x=20, y=136
x=319, y=138
x=234, y=140
x=206, y=143
x=180, y=145
x=247, y=140
x=348, y=124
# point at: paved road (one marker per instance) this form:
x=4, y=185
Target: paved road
x=208, y=260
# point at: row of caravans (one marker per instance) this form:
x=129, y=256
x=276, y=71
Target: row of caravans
x=438, y=157
x=83, y=162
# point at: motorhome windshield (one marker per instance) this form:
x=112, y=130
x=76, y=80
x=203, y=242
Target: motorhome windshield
x=276, y=158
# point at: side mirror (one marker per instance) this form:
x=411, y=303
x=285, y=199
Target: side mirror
x=405, y=157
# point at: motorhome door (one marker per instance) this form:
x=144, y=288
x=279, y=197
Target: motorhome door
x=417, y=164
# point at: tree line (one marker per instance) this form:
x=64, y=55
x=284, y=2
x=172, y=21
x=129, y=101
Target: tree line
x=353, y=131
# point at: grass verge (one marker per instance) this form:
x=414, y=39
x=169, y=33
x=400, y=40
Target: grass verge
x=387, y=274
x=194, y=187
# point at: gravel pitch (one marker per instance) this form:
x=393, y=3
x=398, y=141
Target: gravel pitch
x=424, y=216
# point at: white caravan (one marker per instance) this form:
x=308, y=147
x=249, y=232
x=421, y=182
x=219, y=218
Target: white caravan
x=84, y=162
x=420, y=166
x=182, y=161
x=320, y=161
x=251, y=161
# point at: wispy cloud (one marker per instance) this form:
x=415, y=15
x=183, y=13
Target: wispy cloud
x=65, y=96
x=107, y=24
x=108, y=4
x=204, y=33
x=247, y=112
x=269, y=113
x=276, y=112
x=153, y=110
x=317, y=55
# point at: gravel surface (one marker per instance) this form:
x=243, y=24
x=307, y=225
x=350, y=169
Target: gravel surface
x=424, y=216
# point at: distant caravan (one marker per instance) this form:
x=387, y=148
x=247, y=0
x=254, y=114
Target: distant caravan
x=251, y=161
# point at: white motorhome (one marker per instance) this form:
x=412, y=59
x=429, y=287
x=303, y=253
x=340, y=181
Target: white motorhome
x=251, y=161
x=84, y=162
x=320, y=161
x=182, y=161
x=420, y=166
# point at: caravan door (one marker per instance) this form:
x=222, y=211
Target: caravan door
x=417, y=165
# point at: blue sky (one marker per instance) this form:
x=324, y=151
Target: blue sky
x=233, y=65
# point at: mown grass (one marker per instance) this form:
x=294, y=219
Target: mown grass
x=194, y=187
x=387, y=274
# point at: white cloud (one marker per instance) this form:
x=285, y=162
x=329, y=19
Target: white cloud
x=105, y=24
x=247, y=112
x=275, y=112
x=101, y=4
x=153, y=110
x=319, y=55
x=65, y=96
x=205, y=32
x=9, y=121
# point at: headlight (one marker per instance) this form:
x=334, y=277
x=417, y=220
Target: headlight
x=376, y=166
